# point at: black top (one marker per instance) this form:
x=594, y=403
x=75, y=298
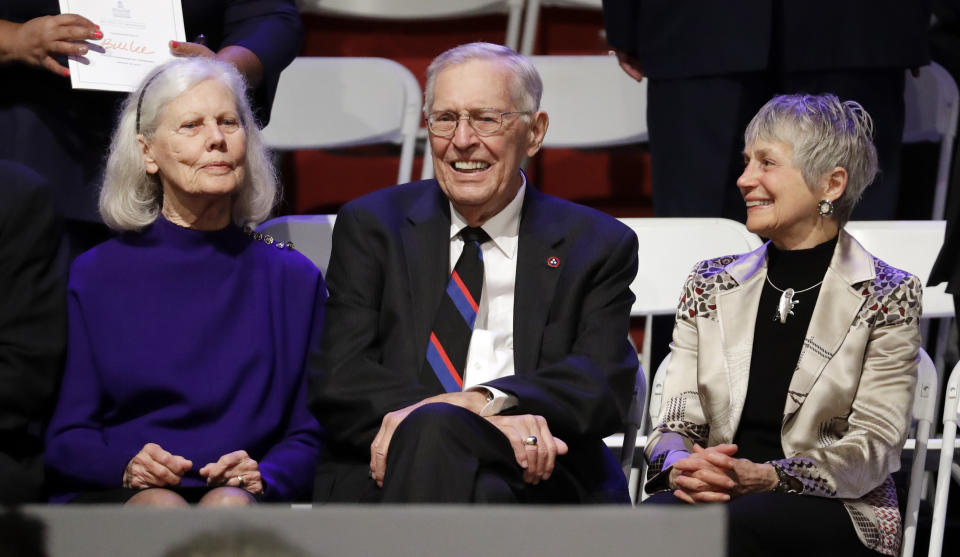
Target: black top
x=776, y=346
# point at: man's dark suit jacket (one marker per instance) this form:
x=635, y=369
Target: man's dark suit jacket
x=690, y=38
x=388, y=269
x=33, y=327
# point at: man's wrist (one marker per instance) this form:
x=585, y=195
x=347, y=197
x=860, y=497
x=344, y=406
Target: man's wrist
x=473, y=400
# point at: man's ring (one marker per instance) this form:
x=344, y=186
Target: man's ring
x=530, y=441
x=240, y=480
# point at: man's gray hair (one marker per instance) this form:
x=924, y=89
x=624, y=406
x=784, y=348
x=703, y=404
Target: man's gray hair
x=526, y=90
x=824, y=132
x=130, y=198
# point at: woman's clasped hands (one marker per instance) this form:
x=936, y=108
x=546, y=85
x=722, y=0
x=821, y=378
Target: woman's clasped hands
x=155, y=467
x=712, y=474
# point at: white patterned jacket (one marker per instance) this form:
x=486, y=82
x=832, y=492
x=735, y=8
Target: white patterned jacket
x=847, y=411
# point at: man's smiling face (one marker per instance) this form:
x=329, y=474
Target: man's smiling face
x=480, y=175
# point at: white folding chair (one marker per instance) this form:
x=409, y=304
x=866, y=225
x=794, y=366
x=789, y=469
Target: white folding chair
x=421, y=9
x=312, y=235
x=532, y=19
x=591, y=102
x=672, y=246
x=653, y=411
x=931, y=115
x=912, y=246
x=635, y=419
x=924, y=412
x=327, y=103
x=948, y=468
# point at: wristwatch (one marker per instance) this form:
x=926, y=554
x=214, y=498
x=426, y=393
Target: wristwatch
x=785, y=482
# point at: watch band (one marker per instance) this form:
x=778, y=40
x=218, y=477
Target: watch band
x=785, y=482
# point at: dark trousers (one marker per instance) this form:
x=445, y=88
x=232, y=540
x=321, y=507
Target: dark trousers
x=696, y=135
x=785, y=525
x=442, y=453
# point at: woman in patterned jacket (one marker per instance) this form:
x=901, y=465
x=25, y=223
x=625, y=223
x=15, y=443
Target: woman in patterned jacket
x=792, y=370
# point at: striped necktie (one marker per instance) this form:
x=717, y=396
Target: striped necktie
x=453, y=324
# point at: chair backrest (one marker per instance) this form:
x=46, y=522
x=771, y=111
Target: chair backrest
x=421, y=9
x=532, y=19
x=634, y=422
x=325, y=103
x=924, y=412
x=656, y=390
x=312, y=235
x=913, y=247
x=947, y=468
x=670, y=247
x=931, y=103
x=928, y=389
x=591, y=102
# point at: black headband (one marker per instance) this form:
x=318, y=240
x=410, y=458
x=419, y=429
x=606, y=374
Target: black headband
x=140, y=100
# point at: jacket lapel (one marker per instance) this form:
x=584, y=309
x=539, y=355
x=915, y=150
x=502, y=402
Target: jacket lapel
x=425, y=237
x=837, y=306
x=541, y=238
x=737, y=314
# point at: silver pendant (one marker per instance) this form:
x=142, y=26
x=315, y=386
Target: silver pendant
x=786, y=305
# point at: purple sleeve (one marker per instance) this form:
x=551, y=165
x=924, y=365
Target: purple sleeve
x=288, y=468
x=77, y=455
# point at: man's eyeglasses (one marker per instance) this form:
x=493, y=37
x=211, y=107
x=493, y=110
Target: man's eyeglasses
x=484, y=121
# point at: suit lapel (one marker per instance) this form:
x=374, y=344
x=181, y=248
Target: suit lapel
x=541, y=238
x=425, y=237
x=737, y=313
x=837, y=306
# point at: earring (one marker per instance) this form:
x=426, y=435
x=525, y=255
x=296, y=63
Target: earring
x=825, y=208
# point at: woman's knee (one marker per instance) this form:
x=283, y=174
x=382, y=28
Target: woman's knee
x=157, y=497
x=226, y=497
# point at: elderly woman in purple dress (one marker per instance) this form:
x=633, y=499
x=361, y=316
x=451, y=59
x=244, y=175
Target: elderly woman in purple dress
x=187, y=334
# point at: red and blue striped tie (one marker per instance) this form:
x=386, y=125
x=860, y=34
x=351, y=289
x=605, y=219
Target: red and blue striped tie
x=453, y=324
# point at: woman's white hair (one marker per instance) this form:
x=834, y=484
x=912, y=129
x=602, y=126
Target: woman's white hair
x=527, y=87
x=130, y=198
x=825, y=133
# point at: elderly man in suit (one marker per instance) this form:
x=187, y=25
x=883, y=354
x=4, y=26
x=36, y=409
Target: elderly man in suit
x=475, y=347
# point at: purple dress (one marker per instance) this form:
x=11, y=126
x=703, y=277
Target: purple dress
x=192, y=340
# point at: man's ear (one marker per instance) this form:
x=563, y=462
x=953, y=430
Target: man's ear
x=539, y=122
x=149, y=163
x=835, y=183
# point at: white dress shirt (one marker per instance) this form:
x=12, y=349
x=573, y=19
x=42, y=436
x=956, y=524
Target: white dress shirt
x=491, y=346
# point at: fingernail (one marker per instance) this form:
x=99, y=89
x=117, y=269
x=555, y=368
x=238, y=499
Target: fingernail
x=82, y=50
x=95, y=25
x=97, y=35
x=174, y=44
x=66, y=71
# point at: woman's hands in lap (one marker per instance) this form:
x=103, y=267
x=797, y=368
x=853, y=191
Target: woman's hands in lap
x=234, y=469
x=155, y=467
x=713, y=475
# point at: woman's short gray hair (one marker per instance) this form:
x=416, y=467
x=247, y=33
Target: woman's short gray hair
x=130, y=198
x=824, y=132
x=527, y=86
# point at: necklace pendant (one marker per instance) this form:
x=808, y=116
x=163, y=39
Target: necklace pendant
x=786, y=305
